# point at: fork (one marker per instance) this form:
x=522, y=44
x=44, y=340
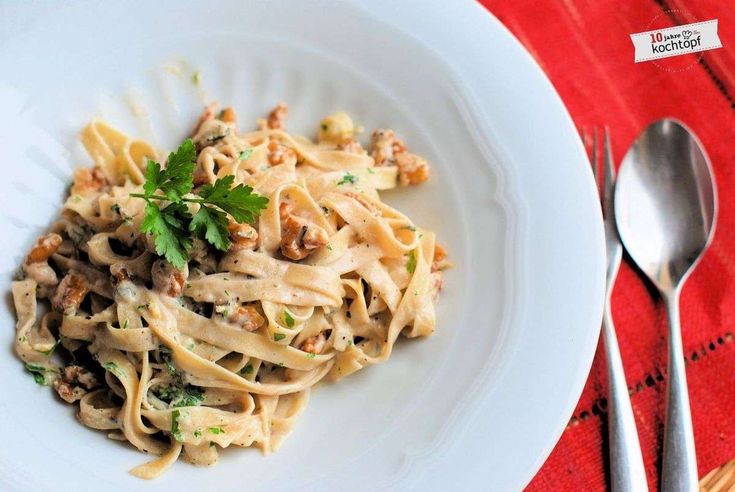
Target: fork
x=627, y=472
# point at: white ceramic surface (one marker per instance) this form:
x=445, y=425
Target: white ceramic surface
x=478, y=405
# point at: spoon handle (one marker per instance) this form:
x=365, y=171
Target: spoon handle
x=680, y=462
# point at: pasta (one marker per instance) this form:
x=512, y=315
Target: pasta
x=185, y=362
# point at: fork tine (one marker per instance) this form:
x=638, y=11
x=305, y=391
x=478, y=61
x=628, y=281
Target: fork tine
x=608, y=174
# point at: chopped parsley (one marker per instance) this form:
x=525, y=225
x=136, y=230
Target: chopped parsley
x=329, y=246
x=411, y=263
x=288, y=318
x=166, y=357
x=370, y=170
x=245, y=154
x=173, y=226
x=409, y=228
x=310, y=356
x=278, y=337
x=125, y=324
x=111, y=366
x=181, y=395
x=216, y=430
x=196, y=78
x=175, y=425
x=39, y=373
x=247, y=369
x=348, y=178
x=198, y=433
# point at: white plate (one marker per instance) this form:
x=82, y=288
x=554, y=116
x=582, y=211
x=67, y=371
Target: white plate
x=481, y=403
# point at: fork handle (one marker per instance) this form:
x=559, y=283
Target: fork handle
x=679, y=471
x=627, y=472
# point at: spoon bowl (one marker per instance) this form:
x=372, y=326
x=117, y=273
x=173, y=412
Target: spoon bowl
x=665, y=202
x=665, y=207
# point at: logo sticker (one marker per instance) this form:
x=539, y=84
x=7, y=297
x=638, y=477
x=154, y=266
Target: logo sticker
x=677, y=40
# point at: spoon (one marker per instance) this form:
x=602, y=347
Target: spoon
x=665, y=207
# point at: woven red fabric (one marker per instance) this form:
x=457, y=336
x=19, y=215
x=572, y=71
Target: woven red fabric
x=585, y=49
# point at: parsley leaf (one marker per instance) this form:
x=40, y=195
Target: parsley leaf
x=171, y=226
x=278, y=337
x=176, y=180
x=213, y=224
x=247, y=369
x=153, y=177
x=288, y=318
x=240, y=201
x=169, y=231
x=216, y=430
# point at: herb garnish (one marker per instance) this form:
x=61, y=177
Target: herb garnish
x=181, y=395
x=278, y=337
x=411, y=263
x=288, y=318
x=216, y=430
x=245, y=154
x=172, y=225
x=348, y=178
x=175, y=425
x=166, y=357
x=39, y=373
x=247, y=369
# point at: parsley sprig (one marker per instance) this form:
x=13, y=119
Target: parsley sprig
x=172, y=226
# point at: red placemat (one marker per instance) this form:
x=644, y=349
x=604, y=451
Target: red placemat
x=585, y=49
